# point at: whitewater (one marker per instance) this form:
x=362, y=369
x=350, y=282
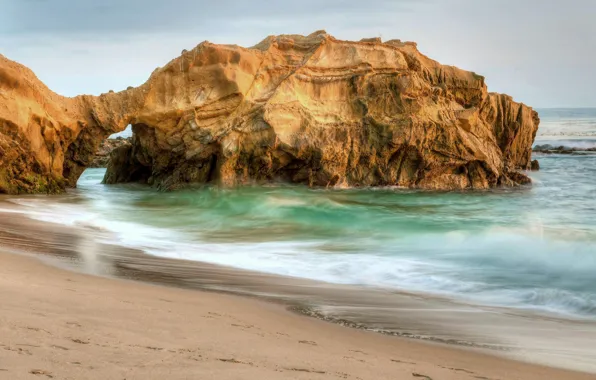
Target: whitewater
x=527, y=248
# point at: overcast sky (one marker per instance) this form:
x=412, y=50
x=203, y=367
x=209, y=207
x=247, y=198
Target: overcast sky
x=543, y=52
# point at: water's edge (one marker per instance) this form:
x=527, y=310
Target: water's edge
x=530, y=248
x=504, y=332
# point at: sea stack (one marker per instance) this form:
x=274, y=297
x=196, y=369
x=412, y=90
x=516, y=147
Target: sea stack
x=312, y=110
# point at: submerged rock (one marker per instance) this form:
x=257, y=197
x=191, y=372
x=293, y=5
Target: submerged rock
x=535, y=166
x=312, y=110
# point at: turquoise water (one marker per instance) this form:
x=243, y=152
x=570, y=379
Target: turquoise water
x=529, y=248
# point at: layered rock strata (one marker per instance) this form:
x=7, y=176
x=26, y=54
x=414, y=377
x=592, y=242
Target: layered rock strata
x=312, y=110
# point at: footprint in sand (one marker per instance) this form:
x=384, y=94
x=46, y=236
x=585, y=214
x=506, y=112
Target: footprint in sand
x=306, y=370
x=401, y=361
x=459, y=370
x=242, y=326
x=79, y=341
x=19, y=351
x=147, y=347
x=60, y=348
x=37, y=330
x=234, y=361
x=309, y=342
x=353, y=358
x=212, y=315
x=41, y=372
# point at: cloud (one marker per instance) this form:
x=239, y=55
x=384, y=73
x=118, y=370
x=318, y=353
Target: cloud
x=539, y=51
x=149, y=16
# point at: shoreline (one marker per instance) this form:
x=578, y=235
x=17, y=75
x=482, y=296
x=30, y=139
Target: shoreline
x=62, y=324
x=431, y=322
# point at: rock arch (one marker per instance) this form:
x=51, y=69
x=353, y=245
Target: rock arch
x=306, y=109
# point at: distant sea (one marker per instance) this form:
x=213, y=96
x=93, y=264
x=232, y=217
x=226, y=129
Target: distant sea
x=528, y=248
x=572, y=127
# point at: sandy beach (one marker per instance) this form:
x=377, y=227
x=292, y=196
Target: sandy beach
x=61, y=324
x=64, y=325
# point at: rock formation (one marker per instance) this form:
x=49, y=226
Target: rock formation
x=46, y=140
x=562, y=149
x=313, y=110
x=102, y=156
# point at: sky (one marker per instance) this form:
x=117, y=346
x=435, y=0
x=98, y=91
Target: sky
x=542, y=52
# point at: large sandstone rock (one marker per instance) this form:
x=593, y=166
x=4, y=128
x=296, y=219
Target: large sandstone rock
x=311, y=110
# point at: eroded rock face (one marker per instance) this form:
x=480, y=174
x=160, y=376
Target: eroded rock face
x=34, y=122
x=311, y=110
x=46, y=140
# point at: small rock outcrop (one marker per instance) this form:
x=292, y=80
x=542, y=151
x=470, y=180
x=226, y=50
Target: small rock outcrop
x=535, y=166
x=303, y=109
x=102, y=156
x=562, y=149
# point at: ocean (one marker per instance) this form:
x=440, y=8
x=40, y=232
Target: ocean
x=527, y=248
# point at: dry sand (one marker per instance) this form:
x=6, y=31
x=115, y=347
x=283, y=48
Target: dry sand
x=65, y=325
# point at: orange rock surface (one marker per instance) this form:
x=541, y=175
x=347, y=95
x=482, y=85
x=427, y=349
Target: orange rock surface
x=312, y=110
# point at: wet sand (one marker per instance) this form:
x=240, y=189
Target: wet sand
x=73, y=325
